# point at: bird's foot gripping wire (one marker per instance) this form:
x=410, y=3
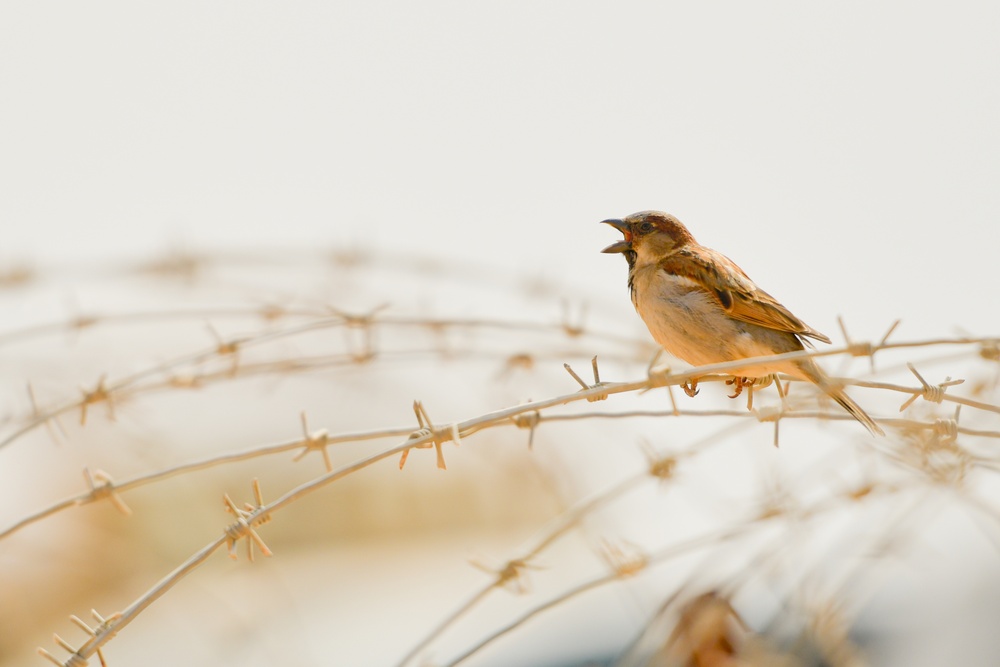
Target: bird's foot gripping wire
x=750, y=384
x=690, y=387
x=738, y=383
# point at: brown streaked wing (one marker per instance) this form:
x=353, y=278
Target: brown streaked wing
x=736, y=293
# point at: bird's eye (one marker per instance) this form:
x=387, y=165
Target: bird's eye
x=645, y=228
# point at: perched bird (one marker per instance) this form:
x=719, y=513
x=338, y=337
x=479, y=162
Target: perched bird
x=701, y=307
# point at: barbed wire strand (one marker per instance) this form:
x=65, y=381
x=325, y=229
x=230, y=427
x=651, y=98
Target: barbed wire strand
x=660, y=468
x=106, y=391
x=655, y=558
x=435, y=437
x=538, y=419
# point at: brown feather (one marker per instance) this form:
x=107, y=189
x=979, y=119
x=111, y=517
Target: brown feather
x=745, y=301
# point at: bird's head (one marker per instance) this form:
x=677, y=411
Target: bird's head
x=649, y=235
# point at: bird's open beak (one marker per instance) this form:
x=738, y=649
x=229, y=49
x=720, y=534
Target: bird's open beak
x=626, y=243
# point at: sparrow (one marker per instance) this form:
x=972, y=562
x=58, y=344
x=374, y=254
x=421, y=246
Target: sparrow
x=702, y=308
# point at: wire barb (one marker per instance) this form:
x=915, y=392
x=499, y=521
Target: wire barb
x=662, y=467
x=102, y=486
x=587, y=387
x=364, y=322
x=75, y=658
x=625, y=559
x=932, y=393
x=437, y=436
x=98, y=394
x=314, y=441
x=512, y=576
x=937, y=452
x=228, y=348
x=247, y=519
x=865, y=348
x=529, y=420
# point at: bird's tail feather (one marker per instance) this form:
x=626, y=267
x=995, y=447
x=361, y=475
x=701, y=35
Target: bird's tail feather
x=848, y=404
x=835, y=391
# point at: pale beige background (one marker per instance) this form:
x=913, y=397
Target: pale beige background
x=847, y=156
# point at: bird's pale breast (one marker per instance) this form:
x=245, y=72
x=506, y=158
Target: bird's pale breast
x=691, y=325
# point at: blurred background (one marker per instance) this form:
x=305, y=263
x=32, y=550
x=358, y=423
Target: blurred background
x=176, y=176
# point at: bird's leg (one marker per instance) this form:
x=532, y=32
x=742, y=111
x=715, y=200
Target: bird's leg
x=690, y=387
x=738, y=383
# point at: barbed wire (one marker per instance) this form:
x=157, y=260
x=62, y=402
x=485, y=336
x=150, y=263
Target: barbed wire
x=929, y=448
x=427, y=434
x=106, y=391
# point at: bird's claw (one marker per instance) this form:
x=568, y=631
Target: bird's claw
x=738, y=383
x=690, y=387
